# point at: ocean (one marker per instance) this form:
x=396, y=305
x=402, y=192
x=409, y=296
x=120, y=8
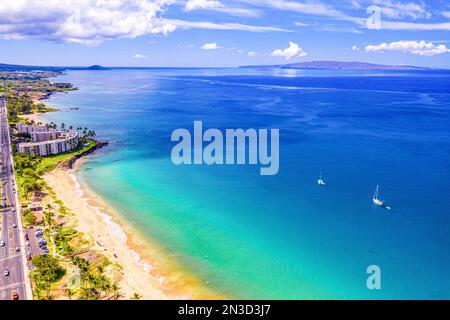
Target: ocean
x=281, y=236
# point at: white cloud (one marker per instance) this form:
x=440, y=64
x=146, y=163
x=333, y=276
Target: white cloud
x=252, y=54
x=356, y=4
x=355, y=48
x=210, y=46
x=185, y=24
x=311, y=8
x=394, y=9
x=410, y=26
x=300, y=24
x=446, y=14
x=219, y=6
x=139, y=56
x=414, y=47
x=93, y=21
x=292, y=52
x=87, y=21
x=399, y=10
x=202, y=4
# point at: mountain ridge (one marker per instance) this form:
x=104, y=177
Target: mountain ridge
x=337, y=65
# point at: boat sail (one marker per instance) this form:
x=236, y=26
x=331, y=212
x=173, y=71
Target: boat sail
x=321, y=181
x=375, y=199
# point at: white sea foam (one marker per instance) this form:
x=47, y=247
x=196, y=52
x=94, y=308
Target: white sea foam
x=115, y=228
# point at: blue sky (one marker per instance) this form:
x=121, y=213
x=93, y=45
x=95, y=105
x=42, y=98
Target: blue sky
x=223, y=32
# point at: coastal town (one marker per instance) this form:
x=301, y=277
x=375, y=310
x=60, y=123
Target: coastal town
x=43, y=255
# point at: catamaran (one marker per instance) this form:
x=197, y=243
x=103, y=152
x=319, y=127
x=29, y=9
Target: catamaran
x=320, y=181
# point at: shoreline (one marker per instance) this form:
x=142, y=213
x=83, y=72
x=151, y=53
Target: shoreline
x=146, y=268
x=107, y=235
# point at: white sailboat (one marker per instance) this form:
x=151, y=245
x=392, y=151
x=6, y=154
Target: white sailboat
x=375, y=199
x=320, y=181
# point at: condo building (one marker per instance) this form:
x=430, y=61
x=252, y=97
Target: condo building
x=46, y=141
x=30, y=128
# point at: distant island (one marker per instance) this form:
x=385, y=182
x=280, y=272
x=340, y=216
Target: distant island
x=94, y=67
x=337, y=65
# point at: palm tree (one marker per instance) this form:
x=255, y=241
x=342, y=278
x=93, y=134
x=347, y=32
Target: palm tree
x=69, y=293
x=105, y=285
x=115, y=291
x=49, y=214
x=136, y=296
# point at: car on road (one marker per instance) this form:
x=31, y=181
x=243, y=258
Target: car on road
x=27, y=237
x=2, y=243
x=6, y=273
x=17, y=249
x=14, y=225
x=14, y=295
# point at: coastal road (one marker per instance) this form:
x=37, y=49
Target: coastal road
x=12, y=258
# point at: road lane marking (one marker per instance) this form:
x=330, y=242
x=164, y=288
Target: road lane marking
x=9, y=257
x=15, y=285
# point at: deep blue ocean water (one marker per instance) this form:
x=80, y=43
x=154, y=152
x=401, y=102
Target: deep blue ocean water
x=281, y=236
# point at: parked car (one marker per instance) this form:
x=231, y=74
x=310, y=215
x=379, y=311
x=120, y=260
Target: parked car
x=14, y=295
x=27, y=237
x=6, y=273
x=2, y=243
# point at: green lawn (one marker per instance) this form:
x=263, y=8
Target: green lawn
x=49, y=163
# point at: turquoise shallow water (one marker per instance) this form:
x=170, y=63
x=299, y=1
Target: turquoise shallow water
x=281, y=236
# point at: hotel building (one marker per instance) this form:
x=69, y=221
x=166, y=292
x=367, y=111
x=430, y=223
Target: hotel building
x=46, y=141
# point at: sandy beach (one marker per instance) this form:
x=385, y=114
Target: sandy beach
x=108, y=236
x=36, y=117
